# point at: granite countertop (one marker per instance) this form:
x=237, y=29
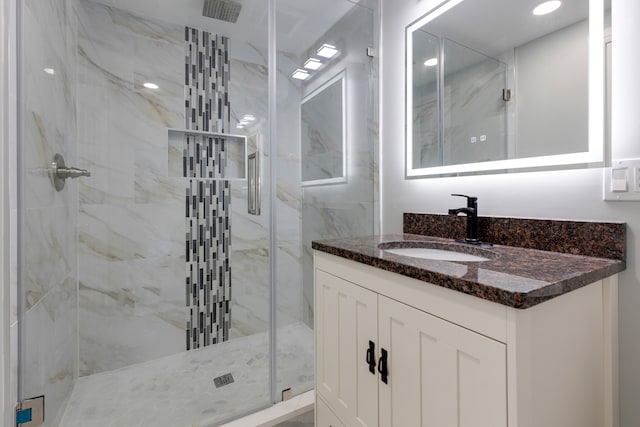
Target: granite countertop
x=513, y=276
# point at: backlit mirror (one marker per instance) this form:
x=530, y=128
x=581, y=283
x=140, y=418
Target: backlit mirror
x=491, y=85
x=322, y=136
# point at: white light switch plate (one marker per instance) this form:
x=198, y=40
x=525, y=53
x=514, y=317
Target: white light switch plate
x=622, y=181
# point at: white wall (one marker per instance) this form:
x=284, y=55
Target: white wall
x=537, y=87
x=573, y=194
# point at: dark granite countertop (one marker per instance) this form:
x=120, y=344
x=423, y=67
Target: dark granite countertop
x=514, y=276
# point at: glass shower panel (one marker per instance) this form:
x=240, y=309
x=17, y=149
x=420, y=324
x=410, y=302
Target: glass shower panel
x=47, y=220
x=145, y=287
x=310, y=132
x=474, y=112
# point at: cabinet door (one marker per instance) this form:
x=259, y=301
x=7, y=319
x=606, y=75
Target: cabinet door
x=324, y=416
x=440, y=374
x=346, y=321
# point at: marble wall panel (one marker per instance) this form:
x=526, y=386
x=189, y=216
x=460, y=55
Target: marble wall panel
x=130, y=296
x=127, y=206
x=249, y=91
x=50, y=349
x=472, y=107
x=131, y=229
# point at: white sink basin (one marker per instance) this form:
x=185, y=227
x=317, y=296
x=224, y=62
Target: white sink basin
x=436, y=254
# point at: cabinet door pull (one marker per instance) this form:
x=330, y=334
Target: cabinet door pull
x=382, y=365
x=371, y=358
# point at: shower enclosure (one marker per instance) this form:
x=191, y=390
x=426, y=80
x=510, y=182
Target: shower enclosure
x=168, y=281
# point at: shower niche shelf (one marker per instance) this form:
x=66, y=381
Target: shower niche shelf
x=207, y=155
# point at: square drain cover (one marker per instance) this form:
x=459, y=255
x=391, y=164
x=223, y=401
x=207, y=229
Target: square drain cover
x=223, y=380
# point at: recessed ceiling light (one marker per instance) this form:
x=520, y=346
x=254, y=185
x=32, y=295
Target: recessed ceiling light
x=150, y=85
x=49, y=71
x=312, y=64
x=327, y=51
x=547, y=7
x=431, y=62
x=300, y=74
x=249, y=117
x=239, y=126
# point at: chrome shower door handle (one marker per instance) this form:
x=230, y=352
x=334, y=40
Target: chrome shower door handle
x=254, y=194
x=60, y=172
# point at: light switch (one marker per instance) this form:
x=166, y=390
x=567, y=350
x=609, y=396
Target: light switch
x=622, y=181
x=636, y=179
x=619, y=180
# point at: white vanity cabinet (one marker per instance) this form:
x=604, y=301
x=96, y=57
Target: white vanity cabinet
x=443, y=374
x=442, y=358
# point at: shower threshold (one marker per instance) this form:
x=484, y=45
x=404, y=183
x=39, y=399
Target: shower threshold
x=179, y=391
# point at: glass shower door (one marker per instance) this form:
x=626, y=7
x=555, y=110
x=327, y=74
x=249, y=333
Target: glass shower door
x=47, y=219
x=325, y=159
x=144, y=286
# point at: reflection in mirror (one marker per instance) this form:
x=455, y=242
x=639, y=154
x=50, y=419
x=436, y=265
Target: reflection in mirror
x=322, y=136
x=492, y=86
x=474, y=115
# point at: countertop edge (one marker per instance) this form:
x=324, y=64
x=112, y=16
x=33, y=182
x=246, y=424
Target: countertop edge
x=514, y=299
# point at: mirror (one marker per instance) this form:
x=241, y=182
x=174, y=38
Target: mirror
x=491, y=86
x=323, y=150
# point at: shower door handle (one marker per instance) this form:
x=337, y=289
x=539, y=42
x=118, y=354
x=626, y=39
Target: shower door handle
x=253, y=183
x=60, y=172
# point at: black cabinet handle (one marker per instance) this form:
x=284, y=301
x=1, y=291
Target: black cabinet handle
x=371, y=358
x=382, y=365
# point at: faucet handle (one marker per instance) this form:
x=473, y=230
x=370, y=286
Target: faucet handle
x=471, y=201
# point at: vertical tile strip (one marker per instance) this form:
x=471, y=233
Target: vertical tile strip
x=207, y=194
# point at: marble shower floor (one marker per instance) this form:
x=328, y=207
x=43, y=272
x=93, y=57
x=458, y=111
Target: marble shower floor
x=178, y=391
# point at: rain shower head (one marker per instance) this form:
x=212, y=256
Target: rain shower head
x=225, y=10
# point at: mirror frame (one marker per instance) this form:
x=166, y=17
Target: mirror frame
x=596, y=108
x=342, y=78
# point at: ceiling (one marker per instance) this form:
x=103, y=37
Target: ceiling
x=495, y=26
x=300, y=23
x=492, y=28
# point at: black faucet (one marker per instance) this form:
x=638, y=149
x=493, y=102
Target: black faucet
x=471, y=211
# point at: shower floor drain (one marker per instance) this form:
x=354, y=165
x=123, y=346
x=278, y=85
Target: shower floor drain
x=223, y=380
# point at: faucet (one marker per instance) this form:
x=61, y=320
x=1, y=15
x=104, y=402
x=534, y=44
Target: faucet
x=471, y=212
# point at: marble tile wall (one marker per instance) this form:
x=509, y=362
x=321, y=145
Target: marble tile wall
x=473, y=87
x=132, y=214
x=250, y=255
x=473, y=106
x=48, y=218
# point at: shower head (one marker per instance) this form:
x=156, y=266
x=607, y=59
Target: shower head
x=225, y=10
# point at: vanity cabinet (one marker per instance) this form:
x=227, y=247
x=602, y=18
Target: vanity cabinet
x=396, y=351
x=443, y=374
x=324, y=416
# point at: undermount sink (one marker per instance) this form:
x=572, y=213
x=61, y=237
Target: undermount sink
x=438, y=251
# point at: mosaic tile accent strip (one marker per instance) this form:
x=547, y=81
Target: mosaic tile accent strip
x=208, y=194
x=204, y=157
x=206, y=88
